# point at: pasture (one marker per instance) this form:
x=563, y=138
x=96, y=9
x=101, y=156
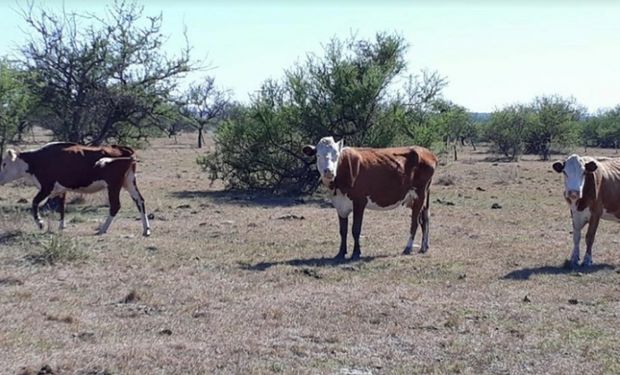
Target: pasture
x=233, y=283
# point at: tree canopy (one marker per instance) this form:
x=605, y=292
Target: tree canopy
x=101, y=78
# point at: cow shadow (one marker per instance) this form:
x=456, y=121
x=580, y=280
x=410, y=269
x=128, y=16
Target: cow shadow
x=311, y=262
x=564, y=269
x=241, y=198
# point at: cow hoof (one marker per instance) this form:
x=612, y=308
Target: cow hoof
x=423, y=250
x=340, y=257
x=407, y=251
x=356, y=255
x=571, y=264
x=587, y=261
x=40, y=224
x=99, y=233
x=147, y=233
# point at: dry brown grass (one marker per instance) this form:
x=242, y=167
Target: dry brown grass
x=228, y=284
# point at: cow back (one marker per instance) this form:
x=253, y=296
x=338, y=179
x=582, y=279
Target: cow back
x=602, y=188
x=384, y=175
x=72, y=165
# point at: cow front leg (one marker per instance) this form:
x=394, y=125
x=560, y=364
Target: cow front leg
x=424, y=223
x=61, y=210
x=36, y=201
x=590, y=234
x=579, y=220
x=416, y=208
x=115, y=206
x=358, y=217
x=344, y=228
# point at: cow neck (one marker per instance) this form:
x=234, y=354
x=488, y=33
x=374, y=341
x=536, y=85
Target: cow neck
x=590, y=192
x=338, y=182
x=26, y=156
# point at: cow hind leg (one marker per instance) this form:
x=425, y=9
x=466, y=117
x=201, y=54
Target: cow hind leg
x=115, y=206
x=132, y=188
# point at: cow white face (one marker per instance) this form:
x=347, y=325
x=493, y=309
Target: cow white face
x=12, y=167
x=574, y=169
x=327, y=153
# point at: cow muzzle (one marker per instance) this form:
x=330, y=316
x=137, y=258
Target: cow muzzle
x=573, y=195
x=328, y=175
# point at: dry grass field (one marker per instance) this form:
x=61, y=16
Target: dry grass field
x=230, y=283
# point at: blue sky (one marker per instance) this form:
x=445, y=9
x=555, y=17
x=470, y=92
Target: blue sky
x=493, y=53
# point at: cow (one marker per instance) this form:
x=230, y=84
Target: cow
x=592, y=191
x=375, y=178
x=58, y=167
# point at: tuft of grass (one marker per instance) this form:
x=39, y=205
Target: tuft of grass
x=60, y=318
x=78, y=199
x=131, y=297
x=77, y=220
x=58, y=249
x=446, y=180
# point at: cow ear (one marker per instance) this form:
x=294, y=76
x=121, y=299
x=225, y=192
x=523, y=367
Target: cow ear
x=11, y=154
x=558, y=166
x=309, y=150
x=340, y=144
x=591, y=166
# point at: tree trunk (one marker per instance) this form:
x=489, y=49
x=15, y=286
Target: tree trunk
x=200, y=138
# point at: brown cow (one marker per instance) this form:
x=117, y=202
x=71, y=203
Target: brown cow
x=60, y=167
x=375, y=178
x=591, y=188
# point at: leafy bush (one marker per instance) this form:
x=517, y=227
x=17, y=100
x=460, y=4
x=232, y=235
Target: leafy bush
x=507, y=128
x=342, y=94
x=549, y=121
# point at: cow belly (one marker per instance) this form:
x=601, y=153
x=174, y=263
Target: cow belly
x=406, y=201
x=94, y=187
x=610, y=216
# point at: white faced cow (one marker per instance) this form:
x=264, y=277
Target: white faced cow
x=592, y=190
x=60, y=167
x=375, y=178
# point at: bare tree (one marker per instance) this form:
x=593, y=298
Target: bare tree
x=206, y=104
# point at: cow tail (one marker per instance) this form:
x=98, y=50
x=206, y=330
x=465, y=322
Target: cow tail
x=428, y=195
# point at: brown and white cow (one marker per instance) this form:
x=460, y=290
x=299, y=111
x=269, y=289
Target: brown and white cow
x=375, y=178
x=60, y=167
x=592, y=190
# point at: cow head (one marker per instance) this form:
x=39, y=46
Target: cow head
x=12, y=167
x=574, y=169
x=327, y=153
